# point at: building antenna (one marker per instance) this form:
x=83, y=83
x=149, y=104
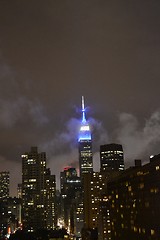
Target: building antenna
x=83, y=111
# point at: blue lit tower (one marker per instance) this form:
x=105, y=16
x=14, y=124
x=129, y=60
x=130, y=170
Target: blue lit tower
x=85, y=145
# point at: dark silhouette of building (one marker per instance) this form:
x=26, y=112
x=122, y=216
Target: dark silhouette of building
x=111, y=157
x=134, y=197
x=70, y=189
x=40, y=234
x=10, y=215
x=38, y=192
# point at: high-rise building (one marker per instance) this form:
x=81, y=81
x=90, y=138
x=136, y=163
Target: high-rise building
x=104, y=223
x=4, y=185
x=50, y=199
x=38, y=192
x=14, y=213
x=85, y=165
x=93, y=188
x=70, y=187
x=68, y=176
x=111, y=157
x=4, y=196
x=85, y=145
x=134, y=197
x=96, y=210
x=10, y=216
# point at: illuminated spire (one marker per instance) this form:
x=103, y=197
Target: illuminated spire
x=85, y=133
x=83, y=111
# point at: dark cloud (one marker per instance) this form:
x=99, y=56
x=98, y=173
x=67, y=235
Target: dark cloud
x=52, y=53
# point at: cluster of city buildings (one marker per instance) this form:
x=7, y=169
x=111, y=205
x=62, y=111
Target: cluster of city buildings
x=112, y=204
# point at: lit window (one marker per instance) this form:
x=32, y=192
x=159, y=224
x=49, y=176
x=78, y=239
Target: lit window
x=152, y=232
x=129, y=188
x=135, y=229
x=141, y=186
x=143, y=230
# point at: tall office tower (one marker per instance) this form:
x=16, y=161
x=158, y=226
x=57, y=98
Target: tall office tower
x=96, y=209
x=94, y=192
x=93, y=188
x=68, y=175
x=38, y=191
x=50, y=199
x=104, y=223
x=111, y=157
x=4, y=196
x=85, y=145
x=4, y=185
x=70, y=186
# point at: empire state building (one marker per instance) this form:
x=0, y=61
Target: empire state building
x=85, y=145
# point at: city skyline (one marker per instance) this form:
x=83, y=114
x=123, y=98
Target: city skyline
x=52, y=53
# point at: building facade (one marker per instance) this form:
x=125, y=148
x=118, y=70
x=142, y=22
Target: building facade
x=38, y=192
x=4, y=185
x=70, y=188
x=85, y=145
x=96, y=203
x=111, y=157
x=134, y=198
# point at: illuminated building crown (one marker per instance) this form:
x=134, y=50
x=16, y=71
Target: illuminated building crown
x=85, y=133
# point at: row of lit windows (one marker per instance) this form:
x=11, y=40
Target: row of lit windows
x=112, y=152
x=143, y=230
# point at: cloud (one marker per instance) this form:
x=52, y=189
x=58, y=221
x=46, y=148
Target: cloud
x=37, y=113
x=63, y=141
x=99, y=133
x=20, y=109
x=138, y=141
x=63, y=148
x=17, y=103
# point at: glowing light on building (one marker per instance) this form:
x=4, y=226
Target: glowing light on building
x=60, y=222
x=85, y=145
x=67, y=168
x=84, y=133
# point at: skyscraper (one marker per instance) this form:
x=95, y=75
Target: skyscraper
x=4, y=196
x=85, y=145
x=111, y=157
x=70, y=188
x=4, y=185
x=38, y=192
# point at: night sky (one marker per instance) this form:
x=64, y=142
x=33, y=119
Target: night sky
x=52, y=53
